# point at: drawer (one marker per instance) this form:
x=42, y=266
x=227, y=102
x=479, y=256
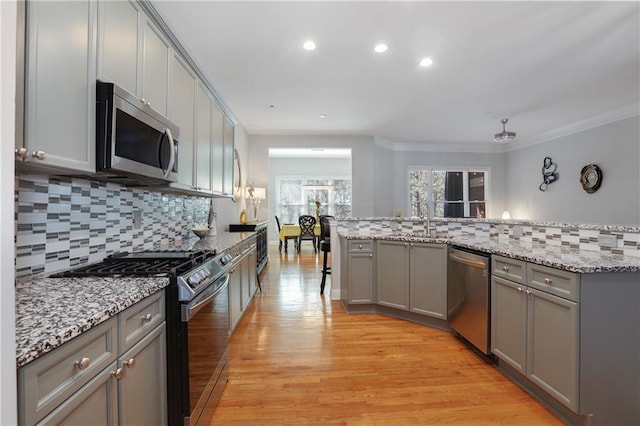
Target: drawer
x=358, y=246
x=560, y=283
x=139, y=319
x=510, y=269
x=51, y=379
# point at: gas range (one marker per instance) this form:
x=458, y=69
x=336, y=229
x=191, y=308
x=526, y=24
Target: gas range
x=192, y=270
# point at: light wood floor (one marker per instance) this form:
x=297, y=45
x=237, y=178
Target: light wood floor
x=297, y=358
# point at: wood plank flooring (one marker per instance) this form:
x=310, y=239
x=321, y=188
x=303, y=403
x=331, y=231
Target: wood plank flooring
x=297, y=358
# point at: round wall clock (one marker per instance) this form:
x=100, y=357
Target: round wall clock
x=591, y=178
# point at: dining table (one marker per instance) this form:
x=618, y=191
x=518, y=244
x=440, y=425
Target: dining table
x=292, y=230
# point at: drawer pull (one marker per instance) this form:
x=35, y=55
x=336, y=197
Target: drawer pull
x=519, y=289
x=118, y=374
x=83, y=363
x=131, y=362
x=505, y=268
x=360, y=246
x=146, y=318
x=528, y=292
x=548, y=280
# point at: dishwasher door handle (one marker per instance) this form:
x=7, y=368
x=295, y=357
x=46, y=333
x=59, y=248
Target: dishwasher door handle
x=479, y=265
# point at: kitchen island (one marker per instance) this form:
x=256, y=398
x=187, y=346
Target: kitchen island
x=564, y=314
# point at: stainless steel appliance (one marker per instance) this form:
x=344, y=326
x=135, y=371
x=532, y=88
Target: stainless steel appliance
x=134, y=143
x=468, y=296
x=197, y=316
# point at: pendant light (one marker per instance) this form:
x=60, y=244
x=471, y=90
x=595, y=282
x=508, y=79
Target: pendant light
x=504, y=136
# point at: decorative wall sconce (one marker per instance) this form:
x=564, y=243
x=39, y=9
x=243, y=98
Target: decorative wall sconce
x=255, y=195
x=549, y=173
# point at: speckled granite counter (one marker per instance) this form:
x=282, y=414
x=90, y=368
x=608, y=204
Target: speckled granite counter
x=555, y=256
x=52, y=311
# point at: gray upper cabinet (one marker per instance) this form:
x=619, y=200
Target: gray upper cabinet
x=228, y=141
x=119, y=45
x=428, y=279
x=203, y=139
x=60, y=89
x=217, y=150
x=133, y=53
x=182, y=112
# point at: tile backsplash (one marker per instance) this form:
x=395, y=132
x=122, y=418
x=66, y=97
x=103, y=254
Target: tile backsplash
x=64, y=222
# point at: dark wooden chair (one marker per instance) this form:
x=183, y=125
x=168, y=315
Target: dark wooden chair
x=325, y=247
x=307, y=224
x=286, y=239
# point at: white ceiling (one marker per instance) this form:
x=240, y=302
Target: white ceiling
x=551, y=67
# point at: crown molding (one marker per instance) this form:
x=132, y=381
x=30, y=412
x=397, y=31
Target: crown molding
x=437, y=147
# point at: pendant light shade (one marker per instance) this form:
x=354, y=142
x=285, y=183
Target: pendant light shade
x=504, y=136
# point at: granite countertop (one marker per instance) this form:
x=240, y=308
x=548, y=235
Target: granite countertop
x=52, y=311
x=555, y=256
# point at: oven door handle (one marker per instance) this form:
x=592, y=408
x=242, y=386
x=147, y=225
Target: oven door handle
x=190, y=310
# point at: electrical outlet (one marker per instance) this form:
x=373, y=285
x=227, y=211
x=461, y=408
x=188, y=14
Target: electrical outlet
x=137, y=219
x=606, y=240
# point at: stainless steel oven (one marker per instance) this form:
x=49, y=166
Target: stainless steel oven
x=204, y=341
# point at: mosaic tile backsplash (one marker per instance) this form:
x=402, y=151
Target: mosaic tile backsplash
x=63, y=222
x=614, y=239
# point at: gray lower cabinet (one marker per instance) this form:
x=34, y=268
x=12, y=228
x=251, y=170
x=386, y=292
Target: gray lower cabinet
x=412, y=277
x=536, y=332
x=392, y=274
x=242, y=279
x=428, y=279
x=358, y=277
x=99, y=377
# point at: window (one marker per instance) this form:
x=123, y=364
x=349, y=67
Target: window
x=298, y=195
x=448, y=192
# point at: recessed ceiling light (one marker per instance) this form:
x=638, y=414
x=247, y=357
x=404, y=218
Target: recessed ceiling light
x=426, y=62
x=272, y=106
x=381, y=48
x=309, y=45
x=323, y=115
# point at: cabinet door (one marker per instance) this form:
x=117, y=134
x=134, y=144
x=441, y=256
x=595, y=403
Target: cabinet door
x=360, y=278
x=183, y=93
x=552, y=346
x=203, y=139
x=61, y=84
x=392, y=274
x=155, y=69
x=246, y=283
x=509, y=322
x=253, y=271
x=235, y=297
x=428, y=279
x=119, y=44
x=217, y=150
x=96, y=403
x=227, y=156
x=142, y=392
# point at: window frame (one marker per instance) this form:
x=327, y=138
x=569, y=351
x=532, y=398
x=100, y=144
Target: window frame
x=465, y=181
x=305, y=178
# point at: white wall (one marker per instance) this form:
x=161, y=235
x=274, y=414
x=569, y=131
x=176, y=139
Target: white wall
x=614, y=147
x=8, y=31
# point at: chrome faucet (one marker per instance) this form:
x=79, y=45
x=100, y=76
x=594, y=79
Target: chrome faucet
x=428, y=216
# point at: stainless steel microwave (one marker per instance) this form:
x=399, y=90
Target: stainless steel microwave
x=133, y=142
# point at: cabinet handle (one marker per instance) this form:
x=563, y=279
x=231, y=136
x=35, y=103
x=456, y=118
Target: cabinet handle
x=130, y=362
x=528, y=292
x=370, y=255
x=39, y=155
x=548, y=280
x=411, y=244
x=118, y=374
x=406, y=244
x=505, y=268
x=148, y=104
x=519, y=289
x=83, y=363
x=143, y=100
x=360, y=246
x=22, y=153
x=146, y=318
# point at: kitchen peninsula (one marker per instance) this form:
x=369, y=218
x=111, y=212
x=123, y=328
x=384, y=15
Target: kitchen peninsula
x=565, y=300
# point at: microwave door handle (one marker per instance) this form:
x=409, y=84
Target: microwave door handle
x=172, y=158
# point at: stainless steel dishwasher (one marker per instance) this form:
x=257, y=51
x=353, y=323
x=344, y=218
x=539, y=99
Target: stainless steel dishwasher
x=468, y=287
